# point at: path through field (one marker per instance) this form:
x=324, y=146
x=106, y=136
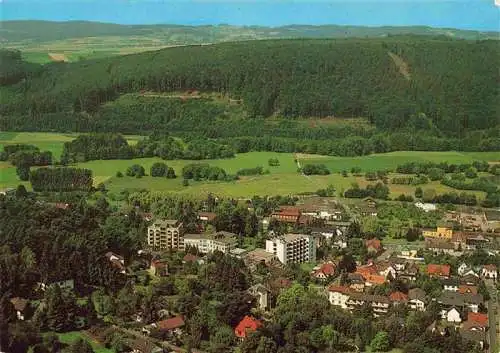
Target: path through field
x=58, y=57
x=403, y=67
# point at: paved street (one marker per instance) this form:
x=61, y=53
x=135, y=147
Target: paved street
x=493, y=316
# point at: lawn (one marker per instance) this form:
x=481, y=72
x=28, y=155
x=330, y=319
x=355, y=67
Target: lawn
x=70, y=337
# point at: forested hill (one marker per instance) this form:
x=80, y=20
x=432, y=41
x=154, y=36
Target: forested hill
x=446, y=87
x=45, y=31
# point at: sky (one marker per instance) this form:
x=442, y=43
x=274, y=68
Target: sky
x=464, y=14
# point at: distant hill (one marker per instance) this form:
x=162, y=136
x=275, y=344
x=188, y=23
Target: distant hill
x=14, y=32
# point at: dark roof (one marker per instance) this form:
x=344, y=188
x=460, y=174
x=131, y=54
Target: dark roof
x=457, y=299
x=416, y=293
x=475, y=336
x=141, y=345
x=369, y=298
x=450, y=282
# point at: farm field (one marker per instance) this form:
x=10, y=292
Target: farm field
x=282, y=179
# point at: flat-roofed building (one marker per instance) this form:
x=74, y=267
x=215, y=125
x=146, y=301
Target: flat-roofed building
x=205, y=243
x=293, y=248
x=166, y=234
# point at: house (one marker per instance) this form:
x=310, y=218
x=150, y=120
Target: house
x=340, y=242
x=159, y=268
x=463, y=269
x=439, y=233
x=478, y=337
x=470, y=279
x=339, y=295
x=189, y=258
x=438, y=271
x=141, y=345
x=410, y=273
x=117, y=261
x=173, y=325
x=489, y=272
x=374, y=280
x=21, y=306
x=476, y=321
x=373, y=245
x=398, y=298
x=451, y=315
x=65, y=285
x=440, y=246
x=417, y=299
x=261, y=294
x=246, y=326
x=387, y=270
x=469, y=301
x=206, y=243
x=207, y=217
x=450, y=284
x=287, y=215
x=426, y=207
x=356, y=282
x=292, y=248
x=463, y=289
x=325, y=271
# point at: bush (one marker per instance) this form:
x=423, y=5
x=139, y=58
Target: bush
x=136, y=170
x=119, y=174
x=419, y=193
x=315, y=169
x=380, y=342
x=250, y=171
x=171, y=173
x=185, y=182
x=273, y=162
x=159, y=169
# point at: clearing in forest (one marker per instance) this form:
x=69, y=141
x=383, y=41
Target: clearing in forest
x=58, y=57
x=403, y=67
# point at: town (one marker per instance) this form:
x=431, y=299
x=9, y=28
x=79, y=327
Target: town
x=245, y=262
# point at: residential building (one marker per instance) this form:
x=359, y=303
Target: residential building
x=452, y=315
x=116, y=260
x=398, y=298
x=339, y=295
x=442, y=246
x=439, y=233
x=380, y=304
x=246, y=326
x=410, y=273
x=463, y=269
x=325, y=271
x=356, y=282
x=206, y=243
x=373, y=245
x=474, y=335
x=173, y=325
x=463, y=289
x=450, y=284
x=21, y=307
x=287, y=215
x=259, y=256
x=261, y=294
x=159, y=268
x=293, y=248
x=417, y=299
x=439, y=271
x=489, y=272
x=166, y=234
x=65, y=285
x=427, y=207
x=447, y=300
x=207, y=217
x=476, y=321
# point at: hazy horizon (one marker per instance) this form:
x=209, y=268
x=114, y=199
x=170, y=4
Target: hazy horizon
x=480, y=15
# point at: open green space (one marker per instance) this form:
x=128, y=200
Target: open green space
x=70, y=337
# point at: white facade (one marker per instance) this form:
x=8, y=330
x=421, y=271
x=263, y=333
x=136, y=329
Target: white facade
x=166, y=234
x=221, y=241
x=489, y=272
x=452, y=315
x=417, y=304
x=427, y=207
x=293, y=248
x=338, y=299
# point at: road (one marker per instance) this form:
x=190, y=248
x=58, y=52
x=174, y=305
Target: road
x=493, y=316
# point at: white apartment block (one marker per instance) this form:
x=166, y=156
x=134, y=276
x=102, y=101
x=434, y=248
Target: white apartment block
x=293, y=248
x=206, y=243
x=166, y=234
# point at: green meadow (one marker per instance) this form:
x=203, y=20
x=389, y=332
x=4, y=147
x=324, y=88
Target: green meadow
x=282, y=179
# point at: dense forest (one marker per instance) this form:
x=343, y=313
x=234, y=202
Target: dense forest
x=432, y=91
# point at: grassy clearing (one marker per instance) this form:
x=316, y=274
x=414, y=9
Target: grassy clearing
x=70, y=337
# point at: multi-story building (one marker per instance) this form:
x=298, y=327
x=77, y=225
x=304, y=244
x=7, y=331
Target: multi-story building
x=439, y=233
x=205, y=243
x=293, y=248
x=166, y=234
x=380, y=304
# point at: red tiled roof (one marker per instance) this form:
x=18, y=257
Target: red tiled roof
x=159, y=264
x=439, y=270
x=490, y=267
x=375, y=279
x=373, y=243
x=247, y=325
x=479, y=319
x=398, y=297
x=367, y=270
x=170, y=324
x=328, y=269
x=288, y=211
x=462, y=289
x=339, y=289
